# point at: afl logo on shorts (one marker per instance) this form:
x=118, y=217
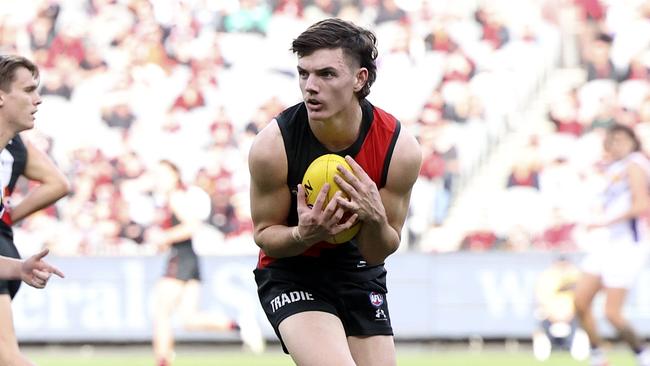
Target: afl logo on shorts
x=376, y=299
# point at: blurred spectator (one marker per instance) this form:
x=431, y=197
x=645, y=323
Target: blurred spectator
x=439, y=39
x=558, y=327
x=599, y=63
x=524, y=174
x=558, y=235
x=118, y=116
x=494, y=32
x=479, y=240
x=191, y=98
x=56, y=84
x=252, y=16
x=389, y=11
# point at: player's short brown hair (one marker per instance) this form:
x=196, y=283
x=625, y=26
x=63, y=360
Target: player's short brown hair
x=8, y=66
x=356, y=42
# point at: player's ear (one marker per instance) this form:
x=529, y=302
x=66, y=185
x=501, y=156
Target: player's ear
x=360, y=79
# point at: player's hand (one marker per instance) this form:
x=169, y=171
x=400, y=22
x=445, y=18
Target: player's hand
x=36, y=272
x=321, y=221
x=364, y=199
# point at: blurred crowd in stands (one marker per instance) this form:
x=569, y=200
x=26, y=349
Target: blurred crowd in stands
x=126, y=83
x=551, y=192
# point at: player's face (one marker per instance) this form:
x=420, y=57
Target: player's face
x=328, y=80
x=619, y=145
x=20, y=103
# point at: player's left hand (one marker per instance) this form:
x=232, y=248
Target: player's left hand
x=36, y=272
x=364, y=199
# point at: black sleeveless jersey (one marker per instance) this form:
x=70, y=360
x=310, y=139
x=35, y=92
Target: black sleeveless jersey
x=372, y=150
x=13, y=160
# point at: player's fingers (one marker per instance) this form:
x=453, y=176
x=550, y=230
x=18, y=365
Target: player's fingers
x=300, y=198
x=41, y=275
x=56, y=271
x=358, y=171
x=346, y=186
x=41, y=254
x=351, y=221
x=320, y=199
x=337, y=216
x=347, y=204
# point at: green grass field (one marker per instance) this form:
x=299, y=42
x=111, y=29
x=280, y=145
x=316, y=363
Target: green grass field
x=202, y=357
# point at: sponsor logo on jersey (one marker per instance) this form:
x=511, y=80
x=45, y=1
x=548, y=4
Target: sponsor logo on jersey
x=290, y=297
x=380, y=315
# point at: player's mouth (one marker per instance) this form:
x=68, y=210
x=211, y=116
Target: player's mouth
x=313, y=104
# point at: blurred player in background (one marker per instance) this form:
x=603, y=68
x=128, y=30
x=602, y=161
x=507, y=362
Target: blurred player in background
x=554, y=293
x=327, y=302
x=186, y=208
x=613, y=266
x=19, y=100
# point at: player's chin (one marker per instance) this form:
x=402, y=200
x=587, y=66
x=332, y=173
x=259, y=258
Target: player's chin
x=316, y=114
x=27, y=124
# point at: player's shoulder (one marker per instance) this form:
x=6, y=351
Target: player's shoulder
x=267, y=141
x=407, y=149
x=405, y=161
x=638, y=160
x=267, y=156
x=291, y=114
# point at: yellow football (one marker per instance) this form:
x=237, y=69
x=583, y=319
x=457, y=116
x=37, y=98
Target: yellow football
x=321, y=171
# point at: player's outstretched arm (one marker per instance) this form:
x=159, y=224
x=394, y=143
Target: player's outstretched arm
x=53, y=184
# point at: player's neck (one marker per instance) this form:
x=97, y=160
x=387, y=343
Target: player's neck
x=341, y=130
x=6, y=134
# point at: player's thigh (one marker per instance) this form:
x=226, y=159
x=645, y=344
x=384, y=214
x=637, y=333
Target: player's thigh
x=191, y=295
x=8, y=343
x=378, y=350
x=316, y=338
x=586, y=288
x=168, y=293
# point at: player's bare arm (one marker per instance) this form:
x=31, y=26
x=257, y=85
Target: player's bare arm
x=53, y=184
x=270, y=196
x=271, y=201
x=383, y=211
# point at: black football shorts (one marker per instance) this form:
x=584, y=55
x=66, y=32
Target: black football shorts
x=357, y=298
x=8, y=249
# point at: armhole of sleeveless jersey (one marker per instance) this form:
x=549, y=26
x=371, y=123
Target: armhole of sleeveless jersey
x=389, y=153
x=282, y=121
x=19, y=151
